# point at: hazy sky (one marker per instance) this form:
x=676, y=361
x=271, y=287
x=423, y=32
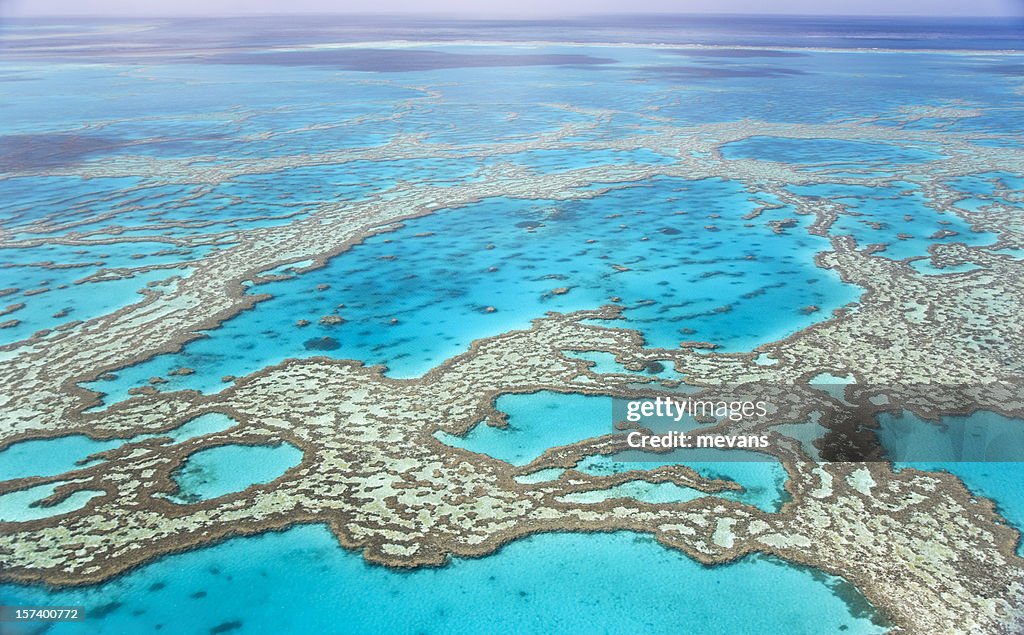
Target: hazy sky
x=510, y=8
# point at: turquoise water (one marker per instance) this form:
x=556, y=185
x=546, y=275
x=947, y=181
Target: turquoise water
x=49, y=457
x=202, y=425
x=983, y=184
x=205, y=474
x=1013, y=253
x=300, y=581
x=412, y=298
x=226, y=469
x=981, y=191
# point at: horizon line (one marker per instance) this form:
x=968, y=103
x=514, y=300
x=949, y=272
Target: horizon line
x=507, y=17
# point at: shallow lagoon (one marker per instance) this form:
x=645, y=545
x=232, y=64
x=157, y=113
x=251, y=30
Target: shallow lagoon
x=678, y=255
x=226, y=469
x=49, y=457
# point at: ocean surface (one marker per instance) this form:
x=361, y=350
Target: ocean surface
x=300, y=581
x=228, y=94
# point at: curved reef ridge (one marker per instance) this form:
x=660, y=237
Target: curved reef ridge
x=930, y=555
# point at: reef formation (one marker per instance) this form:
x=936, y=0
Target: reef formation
x=925, y=551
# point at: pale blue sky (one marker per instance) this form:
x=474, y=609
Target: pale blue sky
x=511, y=8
